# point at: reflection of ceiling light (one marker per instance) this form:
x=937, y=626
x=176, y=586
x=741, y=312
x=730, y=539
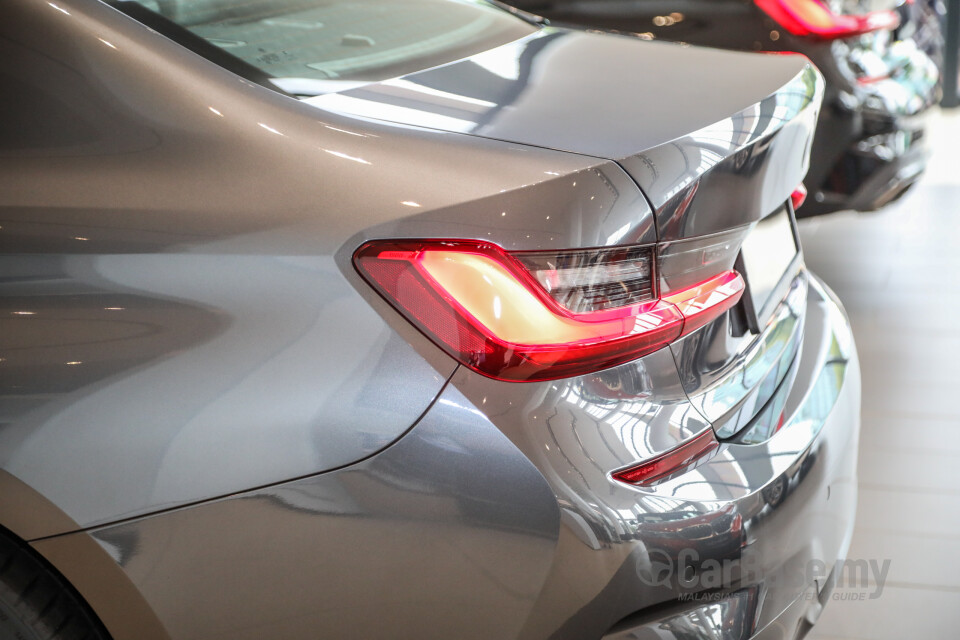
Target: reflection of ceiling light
x=114, y=308
x=24, y=313
x=81, y=238
x=429, y=91
x=352, y=133
x=382, y=111
x=73, y=362
x=345, y=156
x=269, y=128
x=502, y=61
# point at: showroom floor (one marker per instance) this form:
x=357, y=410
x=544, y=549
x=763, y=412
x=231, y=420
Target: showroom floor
x=898, y=273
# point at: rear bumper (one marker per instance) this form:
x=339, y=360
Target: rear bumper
x=870, y=143
x=751, y=536
x=798, y=522
x=878, y=165
x=495, y=517
x=899, y=157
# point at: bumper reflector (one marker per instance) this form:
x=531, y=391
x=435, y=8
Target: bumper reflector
x=671, y=462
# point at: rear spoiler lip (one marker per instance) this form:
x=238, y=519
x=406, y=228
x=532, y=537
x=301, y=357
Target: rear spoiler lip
x=734, y=171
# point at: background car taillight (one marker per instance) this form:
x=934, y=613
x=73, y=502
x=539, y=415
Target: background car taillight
x=546, y=315
x=814, y=19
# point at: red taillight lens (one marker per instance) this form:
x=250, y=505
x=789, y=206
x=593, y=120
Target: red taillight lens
x=812, y=18
x=703, y=302
x=676, y=460
x=538, y=316
x=799, y=196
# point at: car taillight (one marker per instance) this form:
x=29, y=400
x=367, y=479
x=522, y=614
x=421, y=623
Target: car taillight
x=799, y=196
x=542, y=315
x=593, y=279
x=812, y=18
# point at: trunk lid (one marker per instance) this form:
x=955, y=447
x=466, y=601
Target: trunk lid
x=695, y=128
x=717, y=141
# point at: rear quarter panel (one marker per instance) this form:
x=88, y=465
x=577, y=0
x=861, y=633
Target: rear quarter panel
x=179, y=318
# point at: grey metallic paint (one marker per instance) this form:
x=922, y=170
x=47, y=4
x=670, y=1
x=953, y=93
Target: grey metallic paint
x=730, y=380
x=782, y=538
x=458, y=548
x=719, y=176
x=202, y=472
x=440, y=544
x=167, y=298
x=216, y=258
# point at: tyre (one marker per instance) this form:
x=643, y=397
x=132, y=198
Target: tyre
x=35, y=603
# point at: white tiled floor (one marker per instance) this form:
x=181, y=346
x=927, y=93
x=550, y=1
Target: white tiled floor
x=898, y=273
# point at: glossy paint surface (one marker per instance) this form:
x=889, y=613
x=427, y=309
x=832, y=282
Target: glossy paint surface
x=730, y=380
x=440, y=544
x=732, y=369
x=737, y=170
x=511, y=92
x=449, y=533
x=255, y=444
x=173, y=297
x=747, y=113
x=572, y=437
x=177, y=379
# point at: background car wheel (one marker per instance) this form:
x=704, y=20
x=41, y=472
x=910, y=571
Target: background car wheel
x=35, y=604
x=775, y=492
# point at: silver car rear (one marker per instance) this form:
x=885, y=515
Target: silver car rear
x=251, y=383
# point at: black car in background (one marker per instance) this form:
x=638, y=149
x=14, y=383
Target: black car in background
x=880, y=61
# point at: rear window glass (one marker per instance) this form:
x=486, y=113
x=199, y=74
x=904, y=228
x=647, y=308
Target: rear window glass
x=311, y=47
